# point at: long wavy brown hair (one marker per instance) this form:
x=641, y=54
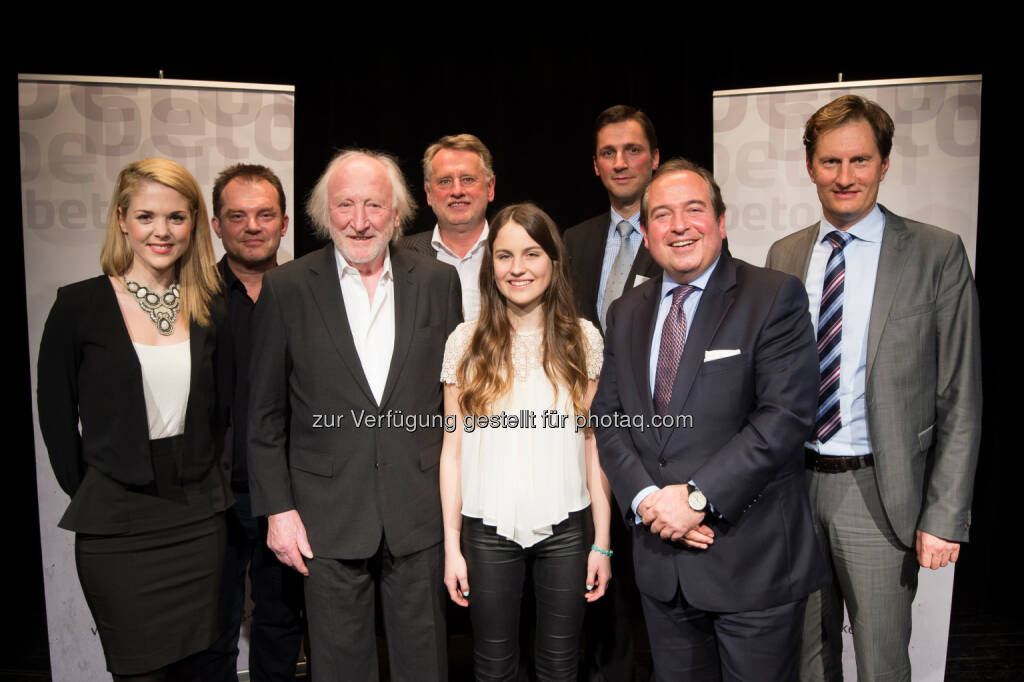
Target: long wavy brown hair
x=485, y=372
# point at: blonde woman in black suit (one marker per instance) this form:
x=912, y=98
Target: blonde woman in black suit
x=127, y=406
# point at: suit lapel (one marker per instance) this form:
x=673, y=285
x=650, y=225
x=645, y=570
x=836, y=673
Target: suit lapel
x=594, y=259
x=714, y=304
x=198, y=336
x=326, y=289
x=891, y=261
x=406, y=295
x=643, y=319
x=802, y=254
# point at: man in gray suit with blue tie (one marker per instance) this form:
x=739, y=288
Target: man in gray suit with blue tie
x=891, y=462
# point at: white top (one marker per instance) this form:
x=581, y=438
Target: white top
x=467, y=266
x=524, y=478
x=166, y=376
x=372, y=323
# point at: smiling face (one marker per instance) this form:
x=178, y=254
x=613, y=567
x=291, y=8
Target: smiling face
x=250, y=224
x=361, y=211
x=522, y=269
x=683, y=234
x=158, y=226
x=847, y=169
x=624, y=161
x=458, y=189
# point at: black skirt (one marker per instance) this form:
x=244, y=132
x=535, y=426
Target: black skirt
x=152, y=585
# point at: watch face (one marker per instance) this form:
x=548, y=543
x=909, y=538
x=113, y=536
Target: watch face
x=697, y=500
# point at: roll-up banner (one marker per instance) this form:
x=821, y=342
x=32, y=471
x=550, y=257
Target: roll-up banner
x=76, y=134
x=933, y=177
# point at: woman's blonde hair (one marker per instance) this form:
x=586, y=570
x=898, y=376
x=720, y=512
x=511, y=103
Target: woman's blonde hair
x=196, y=270
x=485, y=372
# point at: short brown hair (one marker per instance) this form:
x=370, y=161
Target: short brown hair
x=252, y=173
x=465, y=142
x=843, y=110
x=624, y=112
x=678, y=165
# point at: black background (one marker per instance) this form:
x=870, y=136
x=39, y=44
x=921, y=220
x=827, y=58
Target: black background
x=532, y=99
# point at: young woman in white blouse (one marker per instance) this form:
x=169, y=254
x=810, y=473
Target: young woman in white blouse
x=517, y=474
x=128, y=386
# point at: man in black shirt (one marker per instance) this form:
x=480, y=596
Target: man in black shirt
x=249, y=217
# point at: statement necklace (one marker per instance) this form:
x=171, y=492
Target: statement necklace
x=162, y=308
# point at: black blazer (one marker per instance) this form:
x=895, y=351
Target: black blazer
x=349, y=481
x=420, y=243
x=585, y=244
x=751, y=406
x=89, y=373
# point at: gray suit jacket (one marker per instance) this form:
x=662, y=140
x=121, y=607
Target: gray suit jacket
x=923, y=386
x=349, y=481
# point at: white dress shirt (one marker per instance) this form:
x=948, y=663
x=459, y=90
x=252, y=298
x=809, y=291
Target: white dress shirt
x=861, y=256
x=468, y=267
x=372, y=322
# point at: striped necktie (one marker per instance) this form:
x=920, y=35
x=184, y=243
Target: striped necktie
x=830, y=335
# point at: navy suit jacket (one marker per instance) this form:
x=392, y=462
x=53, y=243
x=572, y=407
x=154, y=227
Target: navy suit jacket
x=751, y=412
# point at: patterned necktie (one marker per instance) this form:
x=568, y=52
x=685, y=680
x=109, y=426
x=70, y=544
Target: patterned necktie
x=673, y=338
x=830, y=334
x=619, y=272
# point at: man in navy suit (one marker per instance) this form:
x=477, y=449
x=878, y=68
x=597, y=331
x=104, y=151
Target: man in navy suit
x=603, y=263
x=706, y=396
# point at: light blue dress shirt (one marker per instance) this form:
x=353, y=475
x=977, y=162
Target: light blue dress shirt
x=861, y=256
x=690, y=305
x=611, y=248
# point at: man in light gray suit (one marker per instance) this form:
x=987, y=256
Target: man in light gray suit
x=892, y=458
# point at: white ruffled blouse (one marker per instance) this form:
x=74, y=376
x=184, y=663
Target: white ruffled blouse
x=526, y=478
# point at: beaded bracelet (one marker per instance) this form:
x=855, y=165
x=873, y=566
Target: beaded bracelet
x=607, y=552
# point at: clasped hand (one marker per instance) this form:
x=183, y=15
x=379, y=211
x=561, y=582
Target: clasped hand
x=668, y=514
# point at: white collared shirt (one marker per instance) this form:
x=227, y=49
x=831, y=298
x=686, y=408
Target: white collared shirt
x=468, y=267
x=372, y=323
x=861, y=258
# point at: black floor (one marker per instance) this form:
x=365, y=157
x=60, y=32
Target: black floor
x=980, y=648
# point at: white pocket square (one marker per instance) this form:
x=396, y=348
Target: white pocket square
x=710, y=355
x=639, y=279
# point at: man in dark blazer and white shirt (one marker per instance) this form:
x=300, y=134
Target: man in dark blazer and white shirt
x=348, y=343
x=705, y=399
x=601, y=263
x=458, y=178
x=892, y=461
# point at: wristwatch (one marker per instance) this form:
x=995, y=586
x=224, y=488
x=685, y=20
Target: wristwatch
x=698, y=502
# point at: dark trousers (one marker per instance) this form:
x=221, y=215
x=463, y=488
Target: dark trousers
x=497, y=569
x=340, y=603
x=690, y=644
x=277, y=622
x=610, y=622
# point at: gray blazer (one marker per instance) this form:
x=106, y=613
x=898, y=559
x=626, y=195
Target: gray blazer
x=349, y=481
x=923, y=386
